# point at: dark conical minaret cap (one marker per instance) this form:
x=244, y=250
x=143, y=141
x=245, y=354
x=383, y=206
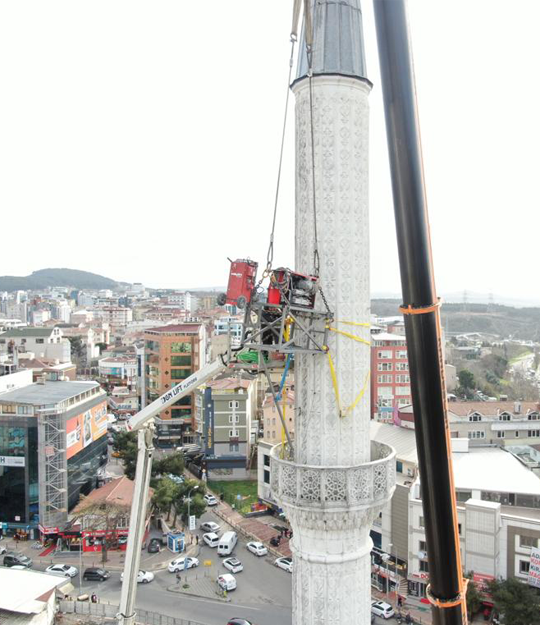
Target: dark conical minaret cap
x=338, y=39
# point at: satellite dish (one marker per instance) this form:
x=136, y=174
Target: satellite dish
x=422, y=555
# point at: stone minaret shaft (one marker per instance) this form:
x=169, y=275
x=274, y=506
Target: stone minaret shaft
x=338, y=480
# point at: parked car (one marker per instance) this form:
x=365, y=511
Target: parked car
x=257, y=548
x=17, y=559
x=284, y=563
x=143, y=577
x=181, y=564
x=96, y=573
x=211, y=539
x=239, y=621
x=63, y=569
x=226, y=581
x=233, y=564
x=154, y=546
x=210, y=500
x=209, y=526
x=382, y=609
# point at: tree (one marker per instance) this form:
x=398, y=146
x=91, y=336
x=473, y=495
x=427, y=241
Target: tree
x=165, y=494
x=102, y=347
x=125, y=443
x=197, y=505
x=466, y=379
x=103, y=517
x=173, y=464
x=474, y=597
x=77, y=347
x=519, y=603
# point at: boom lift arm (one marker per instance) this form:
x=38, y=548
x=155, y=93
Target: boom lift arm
x=143, y=421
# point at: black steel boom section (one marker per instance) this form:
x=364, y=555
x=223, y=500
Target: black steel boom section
x=422, y=316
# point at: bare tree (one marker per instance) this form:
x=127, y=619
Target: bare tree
x=106, y=518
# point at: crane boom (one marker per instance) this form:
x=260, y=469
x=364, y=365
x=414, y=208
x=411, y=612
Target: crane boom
x=143, y=422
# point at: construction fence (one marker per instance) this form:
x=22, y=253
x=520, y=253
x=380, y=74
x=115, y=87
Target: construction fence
x=102, y=613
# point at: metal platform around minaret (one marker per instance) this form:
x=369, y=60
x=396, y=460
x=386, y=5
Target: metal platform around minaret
x=285, y=328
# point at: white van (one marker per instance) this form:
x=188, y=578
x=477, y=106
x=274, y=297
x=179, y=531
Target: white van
x=226, y=582
x=211, y=539
x=227, y=543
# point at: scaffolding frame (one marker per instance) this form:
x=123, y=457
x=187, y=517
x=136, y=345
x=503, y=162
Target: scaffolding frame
x=52, y=468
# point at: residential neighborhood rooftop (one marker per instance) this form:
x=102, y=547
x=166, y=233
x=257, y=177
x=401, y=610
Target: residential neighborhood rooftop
x=47, y=393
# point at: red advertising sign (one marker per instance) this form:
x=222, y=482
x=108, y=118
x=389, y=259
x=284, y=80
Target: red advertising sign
x=85, y=429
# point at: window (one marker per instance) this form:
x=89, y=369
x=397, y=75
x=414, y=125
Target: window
x=8, y=408
x=402, y=366
x=385, y=379
x=475, y=417
x=235, y=418
x=399, y=466
x=181, y=347
x=234, y=447
x=40, y=341
x=234, y=404
x=533, y=433
x=384, y=354
x=266, y=460
x=384, y=391
x=402, y=379
x=25, y=409
x=421, y=521
x=424, y=566
x=477, y=434
x=233, y=433
x=401, y=354
x=385, y=402
x=179, y=361
x=402, y=401
x=273, y=434
x=524, y=567
x=500, y=434
x=422, y=545
x=267, y=477
x=528, y=541
x=403, y=390
x=180, y=374
x=384, y=366
x=533, y=416
x=504, y=416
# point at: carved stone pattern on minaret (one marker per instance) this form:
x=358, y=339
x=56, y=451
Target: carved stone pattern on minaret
x=340, y=119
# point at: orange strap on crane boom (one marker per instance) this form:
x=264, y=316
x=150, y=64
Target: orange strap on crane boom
x=448, y=603
x=421, y=310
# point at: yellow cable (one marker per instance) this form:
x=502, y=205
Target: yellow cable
x=349, y=335
x=358, y=397
x=334, y=382
x=353, y=323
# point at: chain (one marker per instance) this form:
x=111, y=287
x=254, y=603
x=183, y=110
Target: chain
x=316, y=257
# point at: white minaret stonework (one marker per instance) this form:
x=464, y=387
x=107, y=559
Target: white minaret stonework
x=338, y=481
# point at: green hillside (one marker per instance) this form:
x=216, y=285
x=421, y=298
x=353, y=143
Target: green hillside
x=56, y=277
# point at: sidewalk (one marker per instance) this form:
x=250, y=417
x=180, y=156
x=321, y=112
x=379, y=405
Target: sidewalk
x=420, y=612
x=253, y=529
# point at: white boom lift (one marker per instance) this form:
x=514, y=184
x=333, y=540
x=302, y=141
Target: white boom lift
x=143, y=421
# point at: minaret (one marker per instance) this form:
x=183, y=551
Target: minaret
x=338, y=481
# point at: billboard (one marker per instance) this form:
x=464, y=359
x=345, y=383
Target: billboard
x=85, y=429
x=534, y=568
x=208, y=428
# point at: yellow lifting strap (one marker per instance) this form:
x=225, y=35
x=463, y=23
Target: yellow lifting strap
x=346, y=411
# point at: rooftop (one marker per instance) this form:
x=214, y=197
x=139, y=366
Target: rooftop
x=26, y=332
x=401, y=439
x=389, y=336
x=486, y=408
x=26, y=591
x=48, y=393
x=177, y=328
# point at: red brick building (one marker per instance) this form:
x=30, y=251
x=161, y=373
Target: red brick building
x=390, y=380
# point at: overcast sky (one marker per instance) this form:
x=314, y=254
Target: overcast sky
x=140, y=140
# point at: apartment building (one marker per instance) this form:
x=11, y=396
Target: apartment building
x=231, y=327
x=116, y=316
x=171, y=354
x=48, y=343
x=271, y=422
x=390, y=380
x=500, y=423
x=498, y=514
x=184, y=300
x=226, y=409
x=118, y=371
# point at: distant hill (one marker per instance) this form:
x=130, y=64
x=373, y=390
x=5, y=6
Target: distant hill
x=503, y=321
x=56, y=277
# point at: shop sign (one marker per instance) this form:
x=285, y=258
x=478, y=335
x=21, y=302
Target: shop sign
x=48, y=530
x=12, y=461
x=534, y=568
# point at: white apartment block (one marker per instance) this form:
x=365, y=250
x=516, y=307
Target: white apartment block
x=229, y=326
x=185, y=300
x=498, y=514
x=48, y=343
